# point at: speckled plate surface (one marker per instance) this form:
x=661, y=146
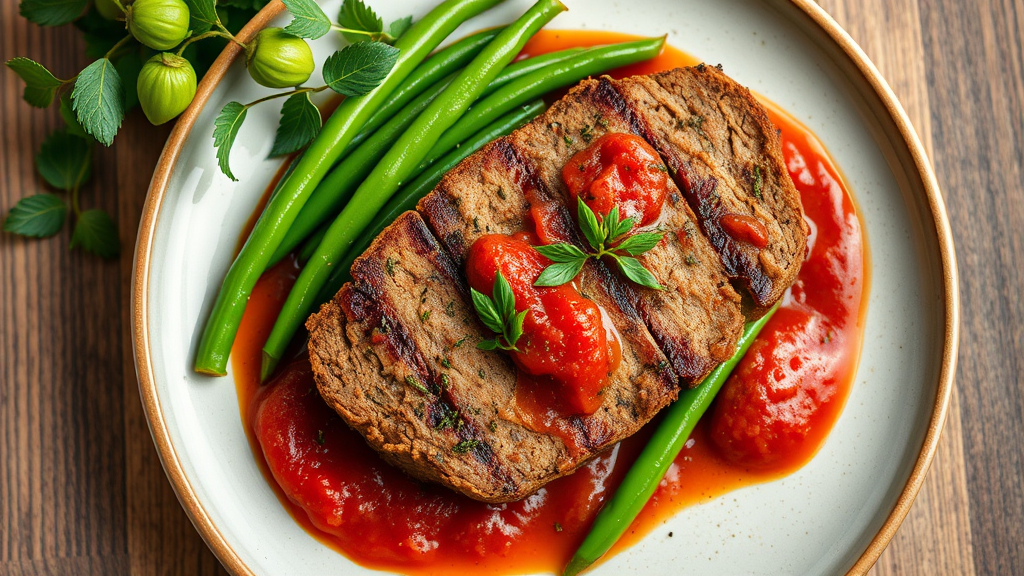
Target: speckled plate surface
x=834, y=515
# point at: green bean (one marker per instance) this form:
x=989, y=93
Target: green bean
x=589, y=63
x=407, y=197
x=661, y=450
x=418, y=42
x=396, y=166
x=309, y=246
x=328, y=199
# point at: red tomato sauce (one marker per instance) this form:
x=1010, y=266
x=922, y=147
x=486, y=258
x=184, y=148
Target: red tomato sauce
x=770, y=419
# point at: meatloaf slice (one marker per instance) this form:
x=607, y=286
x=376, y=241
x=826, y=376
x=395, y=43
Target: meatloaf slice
x=394, y=353
x=697, y=319
x=727, y=159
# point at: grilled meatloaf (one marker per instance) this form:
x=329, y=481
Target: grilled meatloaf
x=394, y=353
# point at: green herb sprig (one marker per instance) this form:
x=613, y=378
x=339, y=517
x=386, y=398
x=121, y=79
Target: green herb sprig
x=498, y=313
x=607, y=236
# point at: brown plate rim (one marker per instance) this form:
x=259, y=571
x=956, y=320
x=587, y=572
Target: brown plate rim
x=172, y=150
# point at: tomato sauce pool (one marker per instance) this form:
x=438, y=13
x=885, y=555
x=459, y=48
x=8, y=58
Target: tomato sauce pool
x=769, y=420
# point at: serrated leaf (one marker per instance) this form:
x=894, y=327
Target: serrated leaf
x=560, y=273
x=225, y=129
x=561, y=252
x=51, y=12
x=300, y=123
x=399, y=27
x=98, y=100
x=588, y=224
x=68, y=115
x=504, y=299
x=128, y=68
x=65, y=160
x=96, y=232
x=635, y=271
x=40, y=84
x=357, y=69
x=486, y=311
x=355, y=15
x=39, y=216
x=202, y=15
x=640, y=243
x=309, y=20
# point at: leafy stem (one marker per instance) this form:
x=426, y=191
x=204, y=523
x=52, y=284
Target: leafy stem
x=288, y=93
x=211, y=34
x=117, y=47
x=498, y=313
x=608, y=237
x=379, y=36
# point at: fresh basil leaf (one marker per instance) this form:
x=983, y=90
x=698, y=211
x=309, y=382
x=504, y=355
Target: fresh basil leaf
x=357, y=69
x=504, y=299
x=51, y=12
x=487, y=344
x=40, y=84
x=98, y=100
x=225, y=129
x=355, y=15
x=640, y=243
x=561, y=273
x=588, y=224
x=620, y=228
x=515, y=331
x=561, y=252
x=300, y=123
x=309, y=22
x=635, y=271
x=68, y=115
x=399, y=27
x=202, y=15
x=65, y=160
x=96, y=232
x=486, y=311
x=39, y=216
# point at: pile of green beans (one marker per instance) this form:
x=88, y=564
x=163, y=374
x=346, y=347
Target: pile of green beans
x=410, y=195
x=336, y=189
x=661, y=450
x=396, y=166
x=339, y=130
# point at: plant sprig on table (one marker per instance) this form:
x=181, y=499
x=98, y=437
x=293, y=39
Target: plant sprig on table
x=607, y=236
x=148, y=52
x=498, y=313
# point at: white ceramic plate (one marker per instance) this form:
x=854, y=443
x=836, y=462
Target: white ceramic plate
x=836, y=513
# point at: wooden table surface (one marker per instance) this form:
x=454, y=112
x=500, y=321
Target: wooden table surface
x=82, y=490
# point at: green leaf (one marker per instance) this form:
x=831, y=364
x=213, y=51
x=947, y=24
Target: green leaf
x=96, y=232
x=486, y=311
x=399, y=27
x=355, y=15
x=504, y=299
x=40, y=84
x=52, y=12
x=561, y=273
x=300, y=123
x=516, y=328
x=39, y=216
x=202, y=15
x=640, y=243
x=98, y=100
x=225, y=129
x=310, y=21
x=357, y=69
x=68, y=115
x=616, y=227
x=128, y=68
x=65, y=160
x=561, y=252
x=636, y=272
x=588, y=224
x=488, y=344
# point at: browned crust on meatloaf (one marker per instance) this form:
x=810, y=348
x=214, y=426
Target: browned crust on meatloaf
x=719, y=143
x=696, y=320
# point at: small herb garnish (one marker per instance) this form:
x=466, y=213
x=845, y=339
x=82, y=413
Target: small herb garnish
x=568, y=141
x=758, y=183
x=659, y=167
x=558, y=527
x=390, y=265
x=465, y=446
x=449, y=420
x=416, y=384
x=587, y=133
x=493, y=426
x=425, y=316
x=446, y=362
x=608, y=238
x=690, y=260
x=481, y=373
x=460, y=342
x=320, y=437
x=498, y=313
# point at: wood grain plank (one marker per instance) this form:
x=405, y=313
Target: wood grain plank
x=976, y=90
x=935, y=538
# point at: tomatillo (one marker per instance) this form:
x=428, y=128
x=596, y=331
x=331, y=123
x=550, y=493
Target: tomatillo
x=167, y=84
x=159, y=24
x=277, y=59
